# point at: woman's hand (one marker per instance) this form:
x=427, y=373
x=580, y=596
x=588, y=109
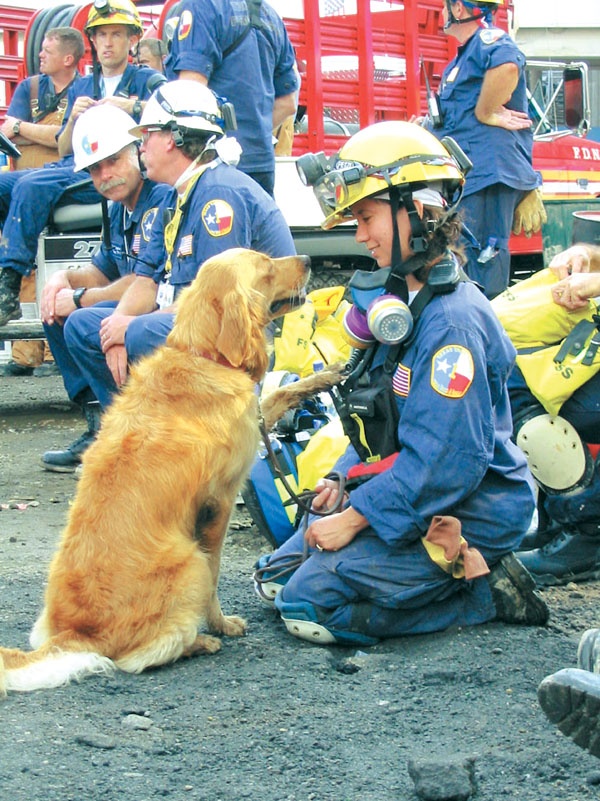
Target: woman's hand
x=334, y=531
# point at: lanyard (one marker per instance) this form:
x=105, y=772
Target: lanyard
x=172, y=227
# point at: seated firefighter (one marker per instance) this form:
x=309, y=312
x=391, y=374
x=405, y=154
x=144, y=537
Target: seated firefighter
x=132, y=237
x=554, y=391
x=448, y=496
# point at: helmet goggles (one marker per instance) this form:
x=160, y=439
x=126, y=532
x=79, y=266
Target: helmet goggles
x=341, y=187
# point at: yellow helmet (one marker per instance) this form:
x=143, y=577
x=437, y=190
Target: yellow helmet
x=383, y=155
x=113, y=12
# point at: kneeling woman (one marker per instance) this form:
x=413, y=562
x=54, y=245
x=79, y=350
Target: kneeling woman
x=411, y=549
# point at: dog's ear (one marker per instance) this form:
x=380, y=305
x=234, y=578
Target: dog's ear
x=241, y=339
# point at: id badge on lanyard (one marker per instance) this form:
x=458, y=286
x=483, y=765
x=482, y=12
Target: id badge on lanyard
x=165, y=295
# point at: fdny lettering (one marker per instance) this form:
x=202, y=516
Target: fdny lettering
x=452, y=371
x=185, y=25
x=401, y=381
x=147, y=223
x=217, y=217
x=587, y=153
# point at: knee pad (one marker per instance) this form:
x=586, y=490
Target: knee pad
x=558, y=459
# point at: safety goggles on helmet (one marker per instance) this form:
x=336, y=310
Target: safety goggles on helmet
x=348, y=182
x=113, y=12
x=99, y=133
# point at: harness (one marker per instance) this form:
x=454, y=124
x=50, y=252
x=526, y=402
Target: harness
x=256, y=23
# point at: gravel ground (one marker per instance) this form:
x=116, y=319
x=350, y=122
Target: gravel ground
x=270, y=718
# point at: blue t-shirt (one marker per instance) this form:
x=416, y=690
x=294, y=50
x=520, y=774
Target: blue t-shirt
x=498, y=155
x=225, y=209
x=260, y=69
x=136, y=239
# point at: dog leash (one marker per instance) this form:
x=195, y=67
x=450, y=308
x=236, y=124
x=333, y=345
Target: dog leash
x=287, y=563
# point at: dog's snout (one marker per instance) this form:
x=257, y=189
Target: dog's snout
x=305, y=261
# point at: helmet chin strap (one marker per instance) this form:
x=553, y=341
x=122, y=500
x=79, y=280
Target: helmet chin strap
x=396, y=283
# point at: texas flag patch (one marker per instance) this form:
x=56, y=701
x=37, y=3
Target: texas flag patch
x=452, y=371
x=217, y=217
x=185, y=24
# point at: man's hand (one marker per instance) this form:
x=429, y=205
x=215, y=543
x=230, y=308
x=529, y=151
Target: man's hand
x=7, y=127
x=112, y=330
x=57, y=283
x=577, y=259
x=116, y=359
x=530, y=214
x=63, y=303
x=574, y=291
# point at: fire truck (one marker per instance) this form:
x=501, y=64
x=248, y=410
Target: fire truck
x=356, y=69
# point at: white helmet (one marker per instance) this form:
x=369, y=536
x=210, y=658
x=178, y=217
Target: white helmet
x=187, y=105
x=100, y=132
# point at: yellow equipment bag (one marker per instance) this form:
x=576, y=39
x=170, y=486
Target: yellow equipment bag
x=321, y=453
x=312, y=333
x=557, y=353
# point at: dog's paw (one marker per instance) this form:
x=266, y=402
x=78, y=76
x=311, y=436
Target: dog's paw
x=233, y=626
x=204, y=644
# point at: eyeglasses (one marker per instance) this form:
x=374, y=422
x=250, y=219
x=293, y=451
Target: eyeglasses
x=150, y=130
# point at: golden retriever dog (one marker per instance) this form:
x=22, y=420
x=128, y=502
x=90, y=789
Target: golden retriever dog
x=135, y=573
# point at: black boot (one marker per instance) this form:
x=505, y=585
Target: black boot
x=10, y=286
x=572, y=555
x=514, y=594
x=571, y=700
x=66, y=461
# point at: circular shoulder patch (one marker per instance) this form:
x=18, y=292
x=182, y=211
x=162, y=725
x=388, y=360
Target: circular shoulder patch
x=217, y=216
x=148, y=221
x=490, y=35
x=452, y=371
x=185, y=24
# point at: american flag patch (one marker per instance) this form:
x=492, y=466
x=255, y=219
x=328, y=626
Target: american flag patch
x=186, y=245
x=135, y=245
x=401, y=380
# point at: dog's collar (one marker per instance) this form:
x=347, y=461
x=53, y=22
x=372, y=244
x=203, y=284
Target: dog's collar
x=217, y=359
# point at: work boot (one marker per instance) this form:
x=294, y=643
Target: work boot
x=572, y=555
x=514, y=595
x=10, y=286
x=14, y=369
x=571, y=700
x=67, y=461
x=588, y=653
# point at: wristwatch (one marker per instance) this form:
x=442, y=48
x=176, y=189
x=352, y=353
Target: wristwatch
x=137, y=110
x=16, y=127
x=78, y=294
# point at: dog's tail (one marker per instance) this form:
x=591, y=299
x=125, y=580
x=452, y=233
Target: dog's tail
x=51, y=665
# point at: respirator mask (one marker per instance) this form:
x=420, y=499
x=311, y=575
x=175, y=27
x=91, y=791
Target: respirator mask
x=375, y=315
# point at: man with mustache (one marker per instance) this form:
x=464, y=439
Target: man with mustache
x=35, y=194
x=104, y=147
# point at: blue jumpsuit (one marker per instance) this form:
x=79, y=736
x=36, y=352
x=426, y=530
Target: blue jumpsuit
x=136, y=240
x=225, y=209
x=33, y=194
x=456, y=458
x=260, y=69
x=502, y=167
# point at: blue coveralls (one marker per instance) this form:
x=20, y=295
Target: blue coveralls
x=34, y=193
x=225, y=209
x=260, y=69
x=20, y=107
x=502, y=167
x=136, y=240
x=456, y=458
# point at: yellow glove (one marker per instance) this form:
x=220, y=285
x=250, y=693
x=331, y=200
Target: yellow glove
x=530, y=214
